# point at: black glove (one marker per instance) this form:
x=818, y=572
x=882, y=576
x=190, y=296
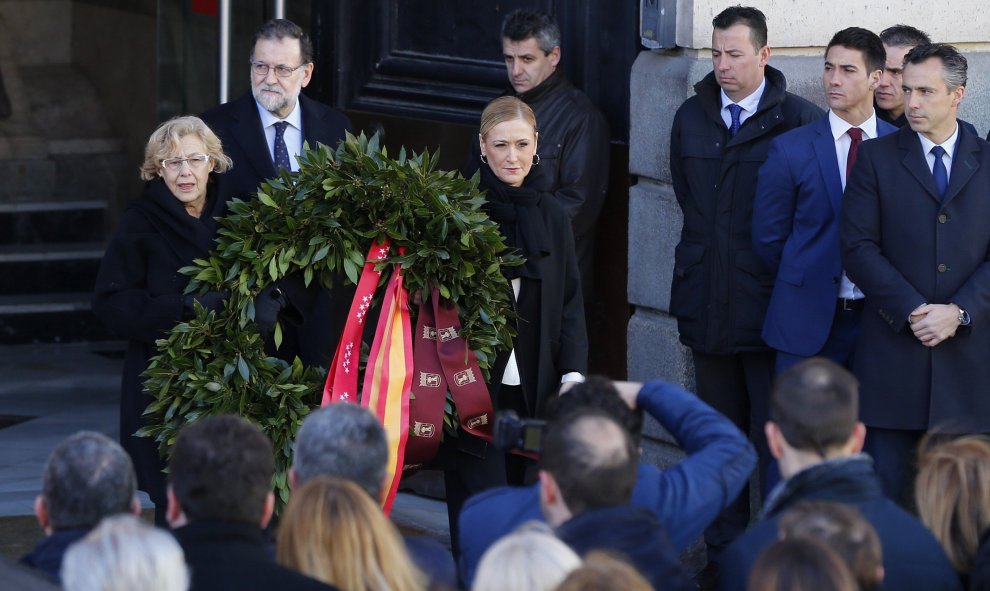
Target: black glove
x=267, y=306
x=211, y=300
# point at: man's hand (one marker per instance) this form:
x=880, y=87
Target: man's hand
x=932, y=324
x=628, y=391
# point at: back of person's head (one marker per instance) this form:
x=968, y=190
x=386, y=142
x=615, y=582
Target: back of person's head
x=524, y=23
x=815, y=405
x=843, y=529
x=122, y=554
x=864, y=41
x=332, y=531
x=952, y=491
x=597, y=392
x=744, y=15
x=531, y=558
x=87, y=477
x=603, y=571
x=592, y=459
x=800, y=565
x=279, y=28
x=221, y=470
x=903, y=35
x=954, y=63
x=342, y=441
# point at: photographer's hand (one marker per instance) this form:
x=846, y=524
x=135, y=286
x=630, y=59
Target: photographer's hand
x=629, y=391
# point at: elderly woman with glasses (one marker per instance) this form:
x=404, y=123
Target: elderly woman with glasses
x=138, y=291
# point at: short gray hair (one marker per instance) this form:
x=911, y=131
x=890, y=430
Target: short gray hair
x=124, y=553
x=954, y=63
x=87, y=477
x=523, y=23
x=342, y=441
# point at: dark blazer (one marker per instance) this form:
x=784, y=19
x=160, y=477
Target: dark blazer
x=720, y=290
x=796, y=217
x=903, y=247
x=321, y=313
x=138, y=295
x=223, y=555
x=238, y=125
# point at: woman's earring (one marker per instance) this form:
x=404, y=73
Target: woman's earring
x=483, y=159
x=536, y=158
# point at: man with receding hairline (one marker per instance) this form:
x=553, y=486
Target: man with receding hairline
x=587, y=474
x=915, y=239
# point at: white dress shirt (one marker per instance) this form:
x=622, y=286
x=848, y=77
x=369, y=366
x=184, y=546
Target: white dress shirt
x=293, y=132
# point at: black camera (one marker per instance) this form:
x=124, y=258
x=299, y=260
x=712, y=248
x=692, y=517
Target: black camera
x=515, y=434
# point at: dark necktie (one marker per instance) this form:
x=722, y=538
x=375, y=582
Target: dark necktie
x=938, y=171
x=281, y=152
x=734, y=111
x=857, y=138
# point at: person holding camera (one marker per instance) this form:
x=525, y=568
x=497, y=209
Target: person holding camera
x=685, y=498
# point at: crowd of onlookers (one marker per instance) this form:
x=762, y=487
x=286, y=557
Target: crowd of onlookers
x=596, y=518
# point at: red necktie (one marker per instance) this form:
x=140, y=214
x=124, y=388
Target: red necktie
x=857, y=138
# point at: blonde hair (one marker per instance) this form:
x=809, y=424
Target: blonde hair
x=505, y=108
x=952, y=491
x=531, y=558
x=164, y=142
x=334, y=532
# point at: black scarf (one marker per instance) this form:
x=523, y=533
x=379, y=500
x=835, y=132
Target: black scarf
x=517, y=212
x=188, y=237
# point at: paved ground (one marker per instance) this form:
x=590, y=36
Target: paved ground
x=48, y=392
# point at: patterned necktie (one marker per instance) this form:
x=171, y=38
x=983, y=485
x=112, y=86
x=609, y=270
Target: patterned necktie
x=734, y=110
x=938, y=171
x=857, y=138
x=281, y=151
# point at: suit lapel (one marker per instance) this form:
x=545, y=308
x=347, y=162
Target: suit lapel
x=828, y=163
x=964, y=164
x=914, y=161
x=251, y=137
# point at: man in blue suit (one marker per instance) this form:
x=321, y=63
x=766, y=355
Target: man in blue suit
x=915, y=238
x=814, y=309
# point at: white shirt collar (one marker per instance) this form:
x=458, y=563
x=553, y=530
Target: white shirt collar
x=840, y=126
x=268, y=119
x=751, y=102
x=948, y=145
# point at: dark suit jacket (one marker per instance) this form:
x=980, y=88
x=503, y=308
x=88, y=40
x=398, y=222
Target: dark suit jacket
x=903, y=247
x=238, y=126
x=232, y=556
x=796, y=217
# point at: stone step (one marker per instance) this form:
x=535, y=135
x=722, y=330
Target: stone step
x=54, y=268
x=68, y=175
x=52, y=221
x=49, y=318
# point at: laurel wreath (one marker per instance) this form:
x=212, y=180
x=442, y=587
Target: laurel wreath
x=319, y=221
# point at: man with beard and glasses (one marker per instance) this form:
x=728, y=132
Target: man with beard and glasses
x=263, y=132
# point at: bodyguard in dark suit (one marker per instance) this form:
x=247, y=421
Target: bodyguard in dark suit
x=264, y=131
x=915, y=239
x=719, y=291
x=814, y=309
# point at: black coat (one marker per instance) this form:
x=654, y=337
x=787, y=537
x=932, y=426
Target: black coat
x=234, y=556
x=317, y=316
x=904, y=246
x=912, y=557
x=138, y=294
x=720, y=289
